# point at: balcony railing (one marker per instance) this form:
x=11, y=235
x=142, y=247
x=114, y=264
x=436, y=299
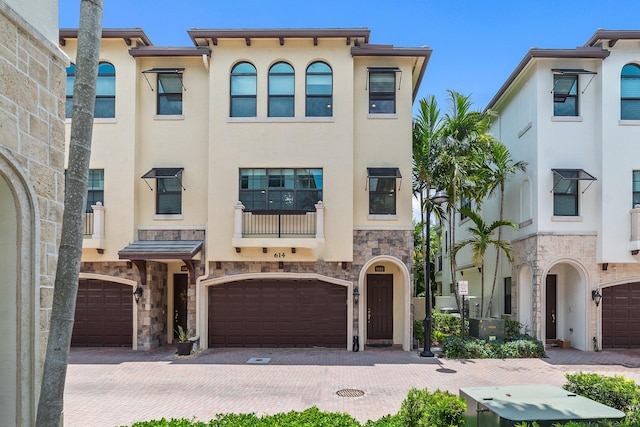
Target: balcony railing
x=94, y=228
x=635, y=224
x=279, y=223
x=88, y=223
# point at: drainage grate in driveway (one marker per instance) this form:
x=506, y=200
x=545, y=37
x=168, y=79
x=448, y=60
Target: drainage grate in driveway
x=259, y=360
x=350, y=392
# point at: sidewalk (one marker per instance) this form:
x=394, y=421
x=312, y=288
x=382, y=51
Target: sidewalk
x=113, y=387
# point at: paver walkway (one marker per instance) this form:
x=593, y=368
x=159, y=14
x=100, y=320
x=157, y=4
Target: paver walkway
x=113, y=387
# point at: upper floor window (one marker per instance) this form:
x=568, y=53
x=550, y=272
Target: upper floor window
x=243, y=90
x=281, y=90
x=630, y=92
x=319, y=90
x=105, y=91
x=465, y=202
x=169, y=93
x=168, y=189
x=565, y=190
x=382, y=190
x=71, y=76
x=565, y=95
x=280, y=189
x=636, y=189
x=95, y=191
x=382, y=90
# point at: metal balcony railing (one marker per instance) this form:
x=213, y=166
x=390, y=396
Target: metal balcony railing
x=279, y=223
x=635, y=224
x=88, y=223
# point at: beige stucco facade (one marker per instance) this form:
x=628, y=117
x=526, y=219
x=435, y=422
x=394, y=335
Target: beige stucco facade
x=342, y=242
x=32, y=75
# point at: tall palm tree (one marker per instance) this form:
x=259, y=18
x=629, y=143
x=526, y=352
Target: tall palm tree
x=481, y=239
x=502, y=168
x=462, y=155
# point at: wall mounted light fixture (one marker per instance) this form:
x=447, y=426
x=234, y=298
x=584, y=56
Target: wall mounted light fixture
x=137, y=294
x=596, y=296
x=356, y=295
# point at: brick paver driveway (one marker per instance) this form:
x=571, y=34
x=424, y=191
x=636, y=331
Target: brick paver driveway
x=114, y=387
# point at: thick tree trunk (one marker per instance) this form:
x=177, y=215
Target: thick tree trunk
x=68, y=268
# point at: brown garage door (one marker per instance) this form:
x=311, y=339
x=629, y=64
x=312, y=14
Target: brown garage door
x=104, y=315
x=621, y=316
x=277, y=314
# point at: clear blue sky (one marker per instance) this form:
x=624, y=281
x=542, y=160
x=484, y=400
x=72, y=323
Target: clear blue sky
x=476, y=44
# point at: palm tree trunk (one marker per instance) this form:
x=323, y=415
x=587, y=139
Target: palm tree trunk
x=495, y=272
x=68, y=268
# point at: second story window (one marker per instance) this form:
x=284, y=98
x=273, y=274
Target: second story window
x=168, y=189
x=169, y=93
x=382, y=190
x=105, y=91
x=280, y=189
x=281, y=90
x=95, y=191
x=243, y=90
x=630, y=92
x=565, y=95
x=565, y=193
x=382, y=90
x=319, y=90
x=636, y=189
x=465, y=202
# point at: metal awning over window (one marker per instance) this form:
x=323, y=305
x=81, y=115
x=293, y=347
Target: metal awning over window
x=573, y=72
x=164, y=173
x=173, y=70
x=373, y=173
x=573, y=175
x=383, y=70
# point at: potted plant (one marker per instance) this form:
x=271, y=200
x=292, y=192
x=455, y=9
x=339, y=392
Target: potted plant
x=184, y=344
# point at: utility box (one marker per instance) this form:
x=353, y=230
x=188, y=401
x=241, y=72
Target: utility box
x=545, y=404
x=487, y=328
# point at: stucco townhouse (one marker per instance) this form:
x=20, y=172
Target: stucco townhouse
x=574, y=116
x=254, y=188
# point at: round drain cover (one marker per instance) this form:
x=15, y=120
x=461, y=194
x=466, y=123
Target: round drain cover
x=350, y=392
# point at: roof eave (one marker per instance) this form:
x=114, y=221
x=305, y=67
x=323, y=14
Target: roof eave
x=613, y=36
x=157, y=51
x=200, y=36
x=129, y=35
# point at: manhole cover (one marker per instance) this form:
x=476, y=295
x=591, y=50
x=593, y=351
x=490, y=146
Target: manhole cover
x=350, y=392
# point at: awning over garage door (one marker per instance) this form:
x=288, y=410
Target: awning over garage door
x=285, y=313
x=142, y=250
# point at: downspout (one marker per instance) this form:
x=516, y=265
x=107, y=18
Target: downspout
x=199, y=279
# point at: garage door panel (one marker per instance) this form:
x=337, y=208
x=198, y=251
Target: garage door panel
x=278, y=314
x=620, y=316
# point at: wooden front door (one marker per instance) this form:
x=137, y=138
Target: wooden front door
x=180, y=288
x=380, y=306
x=552, y=309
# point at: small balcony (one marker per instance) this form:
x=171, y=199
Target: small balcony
x=94, y=228
x=278, y=228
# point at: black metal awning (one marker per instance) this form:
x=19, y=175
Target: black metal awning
x=384, y=173
x=163, y=173
x=574, y=175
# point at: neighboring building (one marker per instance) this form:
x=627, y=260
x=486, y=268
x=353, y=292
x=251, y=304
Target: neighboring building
x=254, y=188
x=32, y=74
x=574, y=116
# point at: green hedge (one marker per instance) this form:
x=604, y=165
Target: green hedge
x=473, y=348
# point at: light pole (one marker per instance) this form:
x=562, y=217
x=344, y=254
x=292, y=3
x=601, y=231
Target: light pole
x=438, y=198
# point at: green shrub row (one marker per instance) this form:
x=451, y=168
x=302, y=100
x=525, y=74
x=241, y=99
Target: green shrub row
x=420, y=408
x=473, y=348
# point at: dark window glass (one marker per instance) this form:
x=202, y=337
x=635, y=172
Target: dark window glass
x=105, y=91
x=169, y=94
x=464, y=203
x=565, y=95
x=280, y=189
x=636, y=189
x=169, y=195
x=565, y=194
x=630, y=92
x=243, y=90
x=319, y=90
x=95, y=191
x=281, y=90
x=71, y=75
x=507, y=295
x=382, y=196
x=382, y=92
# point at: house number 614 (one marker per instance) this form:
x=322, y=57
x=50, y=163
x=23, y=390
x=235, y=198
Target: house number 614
x=278, y=255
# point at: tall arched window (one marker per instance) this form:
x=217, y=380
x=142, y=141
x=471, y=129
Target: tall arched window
x=281, y=90
x=243, y=90
x=630, y=92
x=105, y=91
x=319, y=90
x=71, y=76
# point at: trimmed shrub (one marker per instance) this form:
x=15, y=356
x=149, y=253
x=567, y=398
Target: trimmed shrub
x=448, y=324
x=437, y=409
x=473, y=348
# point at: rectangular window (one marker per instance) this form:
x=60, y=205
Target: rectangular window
x=507, y=295
x=280, y=189
x=169, y=195
x=169, y=94
x=464, y=203
x=382, y=190
x=565, y=193
x=636, y=189
x=382, y=91
x=95, y=191
x=565, y=95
